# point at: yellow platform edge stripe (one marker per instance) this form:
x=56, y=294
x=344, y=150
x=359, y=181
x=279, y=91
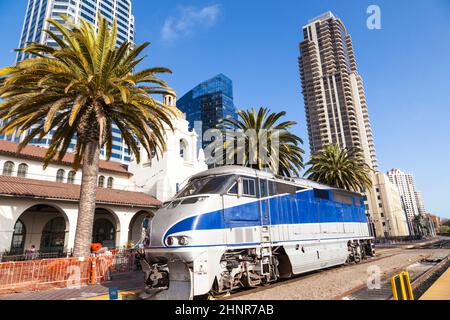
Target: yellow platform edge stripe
x=122, y=295
x=440, y=290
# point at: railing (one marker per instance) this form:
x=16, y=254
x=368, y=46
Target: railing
x=126, y=261
x=398, y=240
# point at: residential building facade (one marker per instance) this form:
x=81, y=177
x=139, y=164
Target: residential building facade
x=407, y=189
x=335, y=102
x=435, y=220
x=333, y=91
x=36, y=21
x=420, y=203
x=208, y=103
x=388, y=216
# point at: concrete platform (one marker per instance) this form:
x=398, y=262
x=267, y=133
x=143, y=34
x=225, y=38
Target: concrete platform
x=125, y=282
x=440, y=290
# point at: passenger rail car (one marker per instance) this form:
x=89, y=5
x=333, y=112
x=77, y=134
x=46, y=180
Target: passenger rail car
x=234, y=227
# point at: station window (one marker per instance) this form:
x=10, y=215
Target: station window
x=110, y=184
x=8, y=168
x=23, y=170
x=60, y=175
x=101, y=182
x=71, y=177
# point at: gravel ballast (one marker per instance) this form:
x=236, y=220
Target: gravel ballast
x=329, y=284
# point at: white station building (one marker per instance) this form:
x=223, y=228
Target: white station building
x=40, y=207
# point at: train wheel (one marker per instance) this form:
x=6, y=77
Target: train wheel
x=357, y=253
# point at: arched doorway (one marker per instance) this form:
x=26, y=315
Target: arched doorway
x=139, y=229
x=104, y=233
x=105, y=229
x=44, y=226
x=53, y=236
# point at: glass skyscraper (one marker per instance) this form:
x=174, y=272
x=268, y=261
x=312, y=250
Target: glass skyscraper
x=37, y=14
x=209, y=102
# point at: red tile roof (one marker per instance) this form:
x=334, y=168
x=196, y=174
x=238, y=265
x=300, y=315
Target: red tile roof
x=38, y=153
x=21, y=187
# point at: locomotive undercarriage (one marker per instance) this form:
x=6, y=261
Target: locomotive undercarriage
x=247, y=268
x=239, y=269
x=359, y=250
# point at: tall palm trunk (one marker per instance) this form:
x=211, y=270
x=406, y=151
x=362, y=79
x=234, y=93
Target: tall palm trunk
x=86, y=207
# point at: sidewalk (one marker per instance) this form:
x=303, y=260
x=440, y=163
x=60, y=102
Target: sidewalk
x=122, y=281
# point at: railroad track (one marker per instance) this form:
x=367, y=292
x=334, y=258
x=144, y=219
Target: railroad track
x=299, y=278
x=385, y=292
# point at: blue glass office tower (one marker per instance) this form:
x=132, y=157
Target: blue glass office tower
x=209, y=102
x=36, y=16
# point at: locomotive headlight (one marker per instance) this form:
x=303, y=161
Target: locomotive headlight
x=184, y=241
x=172, y=241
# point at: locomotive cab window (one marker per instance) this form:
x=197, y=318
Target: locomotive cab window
x=234, y=189
x=207, y=185
x=248, y=187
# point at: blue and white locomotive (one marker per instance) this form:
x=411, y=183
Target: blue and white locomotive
x=235, y=227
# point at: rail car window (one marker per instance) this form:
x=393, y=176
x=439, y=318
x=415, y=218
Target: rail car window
x=343, y=197
x=321, y=194
x=249, y=187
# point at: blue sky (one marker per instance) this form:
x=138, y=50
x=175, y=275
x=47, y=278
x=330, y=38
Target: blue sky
x=405, y=66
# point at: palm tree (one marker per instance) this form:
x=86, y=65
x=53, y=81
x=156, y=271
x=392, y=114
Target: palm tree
x=340, y=168
x=282, y=152
x=80, y=90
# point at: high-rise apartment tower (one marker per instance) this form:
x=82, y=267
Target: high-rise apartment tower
x=336, y=112
x=333, y=91
x=411, y=198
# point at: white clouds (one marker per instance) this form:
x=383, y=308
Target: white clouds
x=189, y=19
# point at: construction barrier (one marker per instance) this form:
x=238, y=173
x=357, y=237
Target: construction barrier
x=401, y=286
x=124, y=261
x=45, y=274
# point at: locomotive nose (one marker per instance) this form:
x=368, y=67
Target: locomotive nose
x=174, y=213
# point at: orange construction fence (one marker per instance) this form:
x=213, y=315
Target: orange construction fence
x=53, y=273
